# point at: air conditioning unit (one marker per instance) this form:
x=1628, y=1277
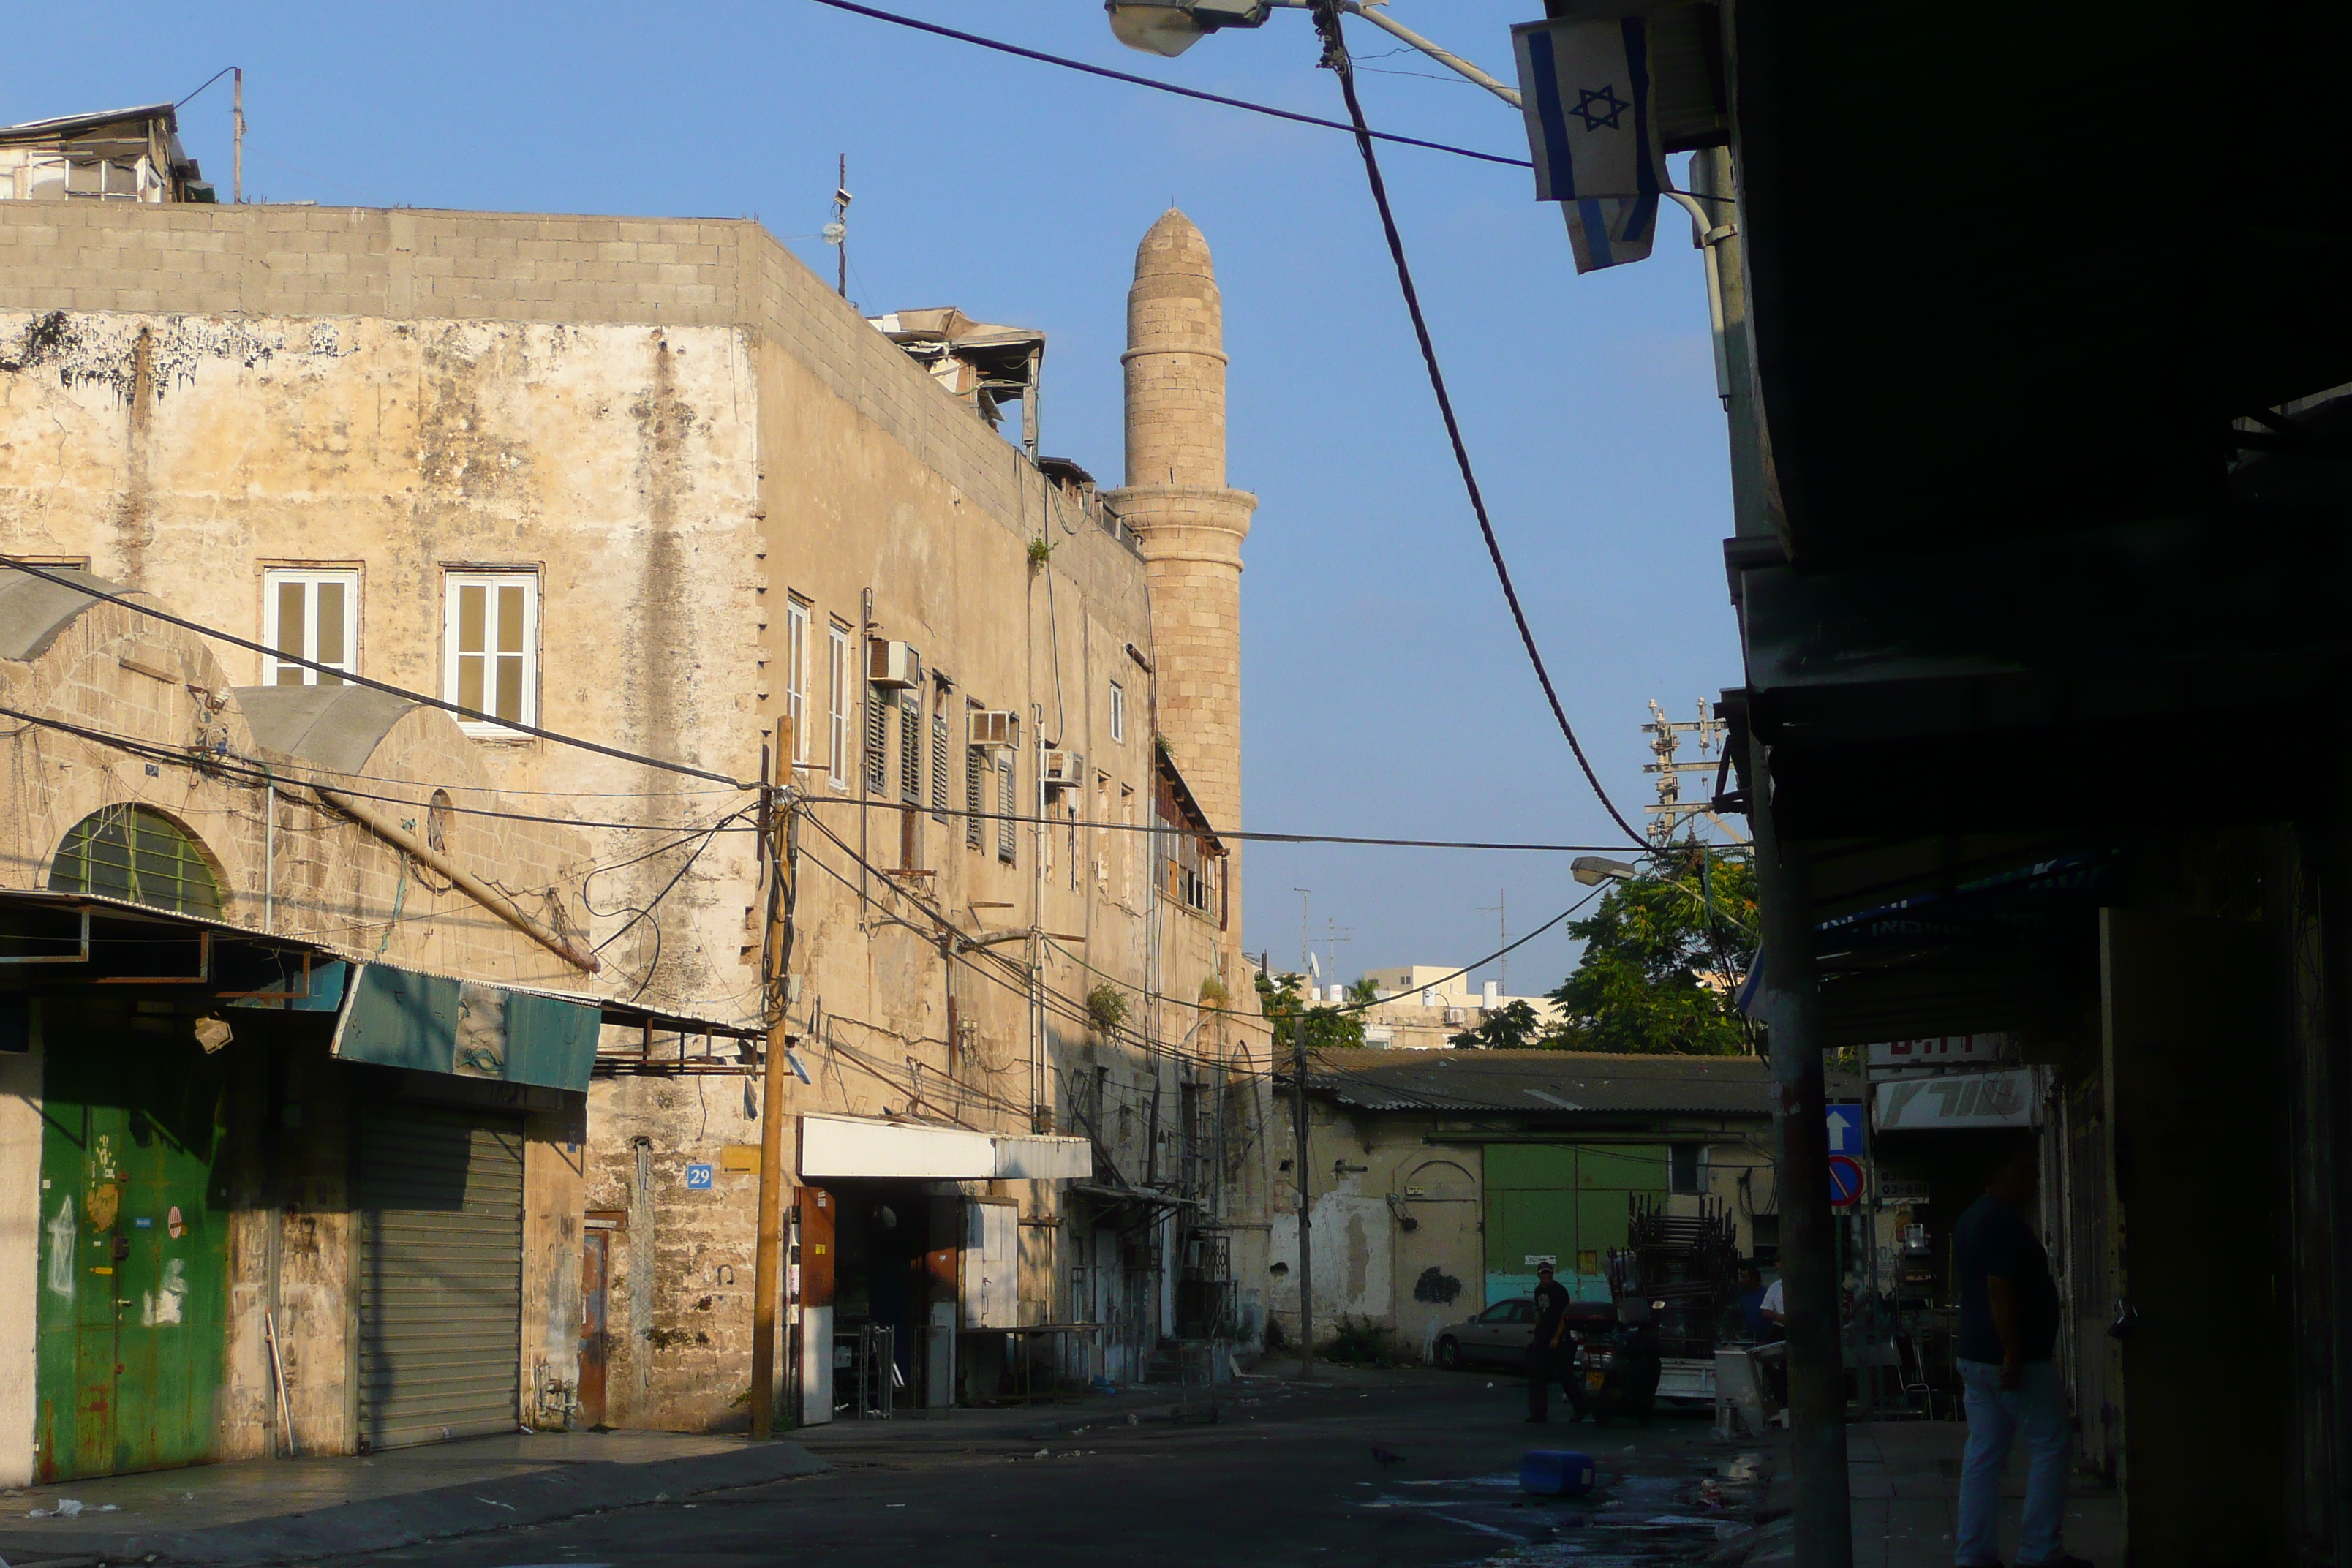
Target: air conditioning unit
x=994, y=729
x=1456, y=1015
x=893, y=664
x=1065, y=770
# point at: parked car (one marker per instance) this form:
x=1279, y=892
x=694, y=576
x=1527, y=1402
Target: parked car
x=1496, y=1337
x=1617, y=1366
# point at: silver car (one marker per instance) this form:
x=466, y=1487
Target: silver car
x=1496, y=1337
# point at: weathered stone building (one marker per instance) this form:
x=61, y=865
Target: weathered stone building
x=238, y=1189
x=651, y=483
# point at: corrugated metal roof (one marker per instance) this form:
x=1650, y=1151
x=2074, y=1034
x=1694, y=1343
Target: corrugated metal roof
x=1549, y=1083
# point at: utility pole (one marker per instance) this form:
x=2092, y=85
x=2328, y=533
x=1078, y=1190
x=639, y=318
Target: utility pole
x=837, y=233
x=776, y=839
x=1670, y=811
x=236, y=136
x=1306, y=1248
x=1823, y=1508
x=1501, y=909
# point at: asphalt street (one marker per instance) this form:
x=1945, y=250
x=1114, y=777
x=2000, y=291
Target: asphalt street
x=1367, y=1468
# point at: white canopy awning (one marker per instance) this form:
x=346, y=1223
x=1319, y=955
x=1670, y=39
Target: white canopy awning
x=845, y=1146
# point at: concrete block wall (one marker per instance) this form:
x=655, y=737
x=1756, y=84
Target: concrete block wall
x=417, y=264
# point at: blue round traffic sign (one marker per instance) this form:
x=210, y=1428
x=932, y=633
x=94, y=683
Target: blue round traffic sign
x=1845, y=1180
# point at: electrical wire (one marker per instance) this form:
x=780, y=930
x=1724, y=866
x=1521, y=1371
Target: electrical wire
x=184, y=102
x=29, y=569
x=256, y=773
x=1327, y=22
x=984, y=960
x=1236, y=834
x=1067, y=64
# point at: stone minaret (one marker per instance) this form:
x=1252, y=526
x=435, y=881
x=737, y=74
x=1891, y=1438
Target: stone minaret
x=1190, y=525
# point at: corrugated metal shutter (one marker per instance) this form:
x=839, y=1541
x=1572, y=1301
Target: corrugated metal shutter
x=440, y=1193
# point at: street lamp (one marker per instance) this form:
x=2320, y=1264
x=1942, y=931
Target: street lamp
x=1594, y=869
x=1170, y=27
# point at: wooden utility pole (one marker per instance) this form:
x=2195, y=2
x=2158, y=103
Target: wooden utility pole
x=236, y=135
x=1306, y=1249
x=776, y=814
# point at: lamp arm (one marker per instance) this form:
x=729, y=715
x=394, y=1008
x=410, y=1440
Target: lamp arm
x=1445, y=57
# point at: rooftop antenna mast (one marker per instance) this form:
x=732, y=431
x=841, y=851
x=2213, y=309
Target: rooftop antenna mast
x=837, y=233
x=236, y=133
x=1501, y=909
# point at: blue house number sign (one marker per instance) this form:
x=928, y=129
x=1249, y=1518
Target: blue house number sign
x=698, y=1177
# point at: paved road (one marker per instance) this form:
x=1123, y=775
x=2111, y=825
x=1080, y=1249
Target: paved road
x=1285, y=1476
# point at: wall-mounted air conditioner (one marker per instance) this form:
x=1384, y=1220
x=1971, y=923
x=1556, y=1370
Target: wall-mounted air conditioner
x=1064, y=770
x=993, y=728
x=893, y=664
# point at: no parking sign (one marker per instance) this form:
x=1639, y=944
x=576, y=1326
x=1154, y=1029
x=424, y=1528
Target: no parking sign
x=1845, y=1180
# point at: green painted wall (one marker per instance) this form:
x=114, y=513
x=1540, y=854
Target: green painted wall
x=1567, y=1201
x=132, y=1324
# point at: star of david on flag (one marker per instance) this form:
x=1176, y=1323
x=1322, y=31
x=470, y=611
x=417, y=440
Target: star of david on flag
x=1585, y=88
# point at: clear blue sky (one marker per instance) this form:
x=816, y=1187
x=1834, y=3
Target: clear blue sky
x=1385, y=691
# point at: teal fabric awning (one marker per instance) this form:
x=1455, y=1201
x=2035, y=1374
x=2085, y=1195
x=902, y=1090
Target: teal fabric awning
x=429, y=1023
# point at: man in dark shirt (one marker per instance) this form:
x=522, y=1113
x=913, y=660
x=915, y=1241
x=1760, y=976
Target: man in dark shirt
x=1551, y=1354
x=2008, y=1332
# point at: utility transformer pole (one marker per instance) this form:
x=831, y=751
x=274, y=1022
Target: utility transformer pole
x=778, y=823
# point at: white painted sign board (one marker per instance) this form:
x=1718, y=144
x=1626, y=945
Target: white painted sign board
x=1946, y=1050
x=1959, y=1100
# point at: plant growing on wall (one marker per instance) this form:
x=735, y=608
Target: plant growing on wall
x=1040, y=551
x=1213, y=992
x=1106, y=1007
x=1282, y=1000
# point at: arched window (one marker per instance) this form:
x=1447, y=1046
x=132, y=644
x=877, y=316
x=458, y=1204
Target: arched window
x=136, y=853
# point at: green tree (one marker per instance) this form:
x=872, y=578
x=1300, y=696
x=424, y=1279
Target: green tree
x=1514, y=1026
x=1664, y=957
x=1364, y=992
x=1282, y=999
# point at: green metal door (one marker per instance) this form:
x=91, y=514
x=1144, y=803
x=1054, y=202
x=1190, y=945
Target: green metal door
x=1568, y=1201
x=131, y=1321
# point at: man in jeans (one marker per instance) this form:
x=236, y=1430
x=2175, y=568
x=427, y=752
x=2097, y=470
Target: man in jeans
x=2009, y=1331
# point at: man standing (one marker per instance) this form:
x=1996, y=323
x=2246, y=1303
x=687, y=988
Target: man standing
x=1551, y=1357
x=2009, y=1331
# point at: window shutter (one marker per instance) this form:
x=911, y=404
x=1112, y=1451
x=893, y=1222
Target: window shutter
x=939, y=760
x=1008, y=837
x=877, y=739
x=975, y=799
x=910, y=745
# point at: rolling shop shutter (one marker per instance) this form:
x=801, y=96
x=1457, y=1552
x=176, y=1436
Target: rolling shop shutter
x=440, y=1275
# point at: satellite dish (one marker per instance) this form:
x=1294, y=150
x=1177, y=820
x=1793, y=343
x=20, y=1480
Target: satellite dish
x=1314, y=966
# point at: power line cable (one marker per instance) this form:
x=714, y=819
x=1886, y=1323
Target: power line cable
x=1067, y=64
x=1235, y=834
x=256, y=773
x=29, y=569
x=1335, y=54
x=1481, y=963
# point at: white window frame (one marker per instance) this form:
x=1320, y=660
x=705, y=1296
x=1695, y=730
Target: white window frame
x=454, y=584
x=841, y=672
x=796, y=675
x=1117, y=713
x=309, y=579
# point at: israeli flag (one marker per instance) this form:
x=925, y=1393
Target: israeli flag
x=1585, y=88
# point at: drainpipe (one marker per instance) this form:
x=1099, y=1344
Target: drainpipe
x=473, y=887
